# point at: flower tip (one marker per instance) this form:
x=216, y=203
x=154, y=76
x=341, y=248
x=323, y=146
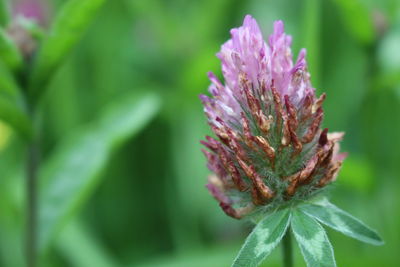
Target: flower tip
x=302, y=56
x=251, y=23
x=286, y=98
x=247, y=19
x=323, y=139
x=341, y=156
x=211, y=76
x=279, y=27
x=204, y=98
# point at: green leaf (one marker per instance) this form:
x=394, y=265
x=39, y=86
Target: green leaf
x=67, y=29
x=8, y=84
x=263, y=239
x=341, y=221
x=78, y=244
x=69, y=176
x=312, y=240
x=15, y=117
x=9, y=52
x=12, y=110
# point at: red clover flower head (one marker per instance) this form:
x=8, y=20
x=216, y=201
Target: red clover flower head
x=36, y=10
x=28, y=18
x=269, y=150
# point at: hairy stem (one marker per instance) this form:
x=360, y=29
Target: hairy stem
x=287, y=250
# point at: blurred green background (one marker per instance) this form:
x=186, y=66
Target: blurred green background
x=145, y=203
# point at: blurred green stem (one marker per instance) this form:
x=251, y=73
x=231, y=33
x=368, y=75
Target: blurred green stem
x=31, y=197
x=31, y=188
x=287, y=250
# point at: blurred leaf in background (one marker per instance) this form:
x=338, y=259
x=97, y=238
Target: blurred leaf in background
x=71, y=173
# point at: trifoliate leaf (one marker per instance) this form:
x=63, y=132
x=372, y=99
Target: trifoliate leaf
x=263, y=239
x=341, y=221
x=313, y=242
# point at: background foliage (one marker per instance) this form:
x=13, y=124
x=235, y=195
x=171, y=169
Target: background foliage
x=122, y=124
